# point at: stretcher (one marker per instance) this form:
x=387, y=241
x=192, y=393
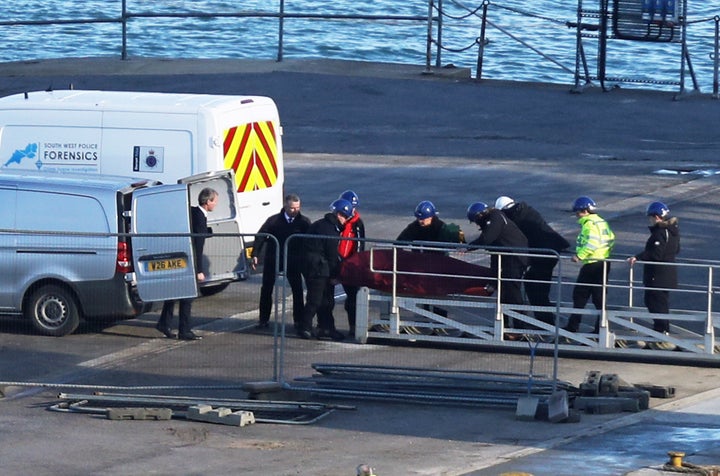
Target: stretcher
x=417, y=273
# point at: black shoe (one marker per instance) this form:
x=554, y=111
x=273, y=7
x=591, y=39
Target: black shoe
x=262, y=325
x=165, y=331
x=330, y=334
x=307, y=335
x=190, y=335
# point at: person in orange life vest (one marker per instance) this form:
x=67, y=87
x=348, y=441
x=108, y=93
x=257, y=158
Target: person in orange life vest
x=353, y=228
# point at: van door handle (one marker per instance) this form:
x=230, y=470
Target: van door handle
x=265, y=204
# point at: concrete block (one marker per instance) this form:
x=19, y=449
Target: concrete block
x=642, y=396
x=609, y=404
x=591, y=386
x=658, y=391
x=609, y=384
x=221, y=415
x=573, y=416
x=603, y=408
x=133, y=413
x=526, y=408
x=558, y=406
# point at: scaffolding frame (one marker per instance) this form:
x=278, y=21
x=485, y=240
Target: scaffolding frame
x=655, y=21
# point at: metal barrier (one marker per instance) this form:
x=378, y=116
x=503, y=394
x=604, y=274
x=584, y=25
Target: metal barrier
x=136, y=356
x=417, y=356
x=445, y=25
x=624, y=327
x=600, y=22
x=126, y=16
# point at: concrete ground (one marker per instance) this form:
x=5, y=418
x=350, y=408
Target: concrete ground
x=397, y=135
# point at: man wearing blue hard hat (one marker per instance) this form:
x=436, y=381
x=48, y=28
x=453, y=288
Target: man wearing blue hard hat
x=661, y=247
x=321, y=263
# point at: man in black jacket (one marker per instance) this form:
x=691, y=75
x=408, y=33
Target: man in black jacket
x=662, y=246
x=207, y=200
x=282, y=225
x=538, y=276
x=321, y=262
x=497, y=230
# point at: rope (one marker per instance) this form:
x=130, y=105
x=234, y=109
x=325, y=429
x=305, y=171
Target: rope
x=460, y=50
x=470, y=13
x=715, y=18
x=530, y=14
x=689, y=468
x=506, y=32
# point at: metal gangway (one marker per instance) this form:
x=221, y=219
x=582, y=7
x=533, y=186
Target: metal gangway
x=625, y=325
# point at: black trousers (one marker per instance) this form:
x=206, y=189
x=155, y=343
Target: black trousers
x=658, y=302
x=351, y=304
x=538, y=294
x=511, y=288
x=184, y=309
x=320, y=300
x=588, y=286
x=294, y=278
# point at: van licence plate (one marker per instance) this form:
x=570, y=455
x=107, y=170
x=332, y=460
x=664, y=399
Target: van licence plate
x=167, y=264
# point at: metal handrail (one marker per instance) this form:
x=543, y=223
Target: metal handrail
x=126, y=15
x=616, y=309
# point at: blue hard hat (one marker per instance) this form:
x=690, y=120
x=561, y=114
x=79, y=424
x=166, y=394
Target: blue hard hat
x=351, y=197
x=342, y=206
x=476, y=209
x=584, y=204
x=657, y=209
x=425, y=209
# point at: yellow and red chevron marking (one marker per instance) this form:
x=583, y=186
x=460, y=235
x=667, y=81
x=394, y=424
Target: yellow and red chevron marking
x=251, y=151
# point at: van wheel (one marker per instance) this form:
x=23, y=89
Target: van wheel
x=53, y=311
x=214, y=289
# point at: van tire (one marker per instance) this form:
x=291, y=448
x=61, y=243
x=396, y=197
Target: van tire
x=214, y=289
x=52, y=310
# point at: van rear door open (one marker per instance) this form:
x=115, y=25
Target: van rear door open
x=162, y=248
x=162, y=253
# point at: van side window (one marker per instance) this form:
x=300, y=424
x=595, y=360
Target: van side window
x=7, y=210
x=225, y=209
x=41, y=211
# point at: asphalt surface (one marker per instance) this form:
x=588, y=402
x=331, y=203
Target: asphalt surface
x=396, y=136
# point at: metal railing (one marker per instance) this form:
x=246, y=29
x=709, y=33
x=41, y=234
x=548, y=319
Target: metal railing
x=588, y=24
x=450, y=27
x=127, y=15
x=624, y=326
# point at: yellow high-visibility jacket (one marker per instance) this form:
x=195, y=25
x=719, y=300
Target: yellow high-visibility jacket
x=595, y=240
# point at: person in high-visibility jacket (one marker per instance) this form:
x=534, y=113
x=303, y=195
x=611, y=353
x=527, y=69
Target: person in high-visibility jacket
x=593, y=246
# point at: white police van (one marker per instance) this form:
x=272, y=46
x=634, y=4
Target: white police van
x=151, y=135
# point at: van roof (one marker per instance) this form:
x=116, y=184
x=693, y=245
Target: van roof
x=130, y=101
x=64, y=180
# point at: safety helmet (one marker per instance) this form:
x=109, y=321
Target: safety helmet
x=657, y=209
x=476, y=209
x=584, y=204
x=351, y=197
x=503, y=202
x=342, y=206
x=425, y=209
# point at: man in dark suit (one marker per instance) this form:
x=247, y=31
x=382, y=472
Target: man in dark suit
x=281, y=225
x=207, y=199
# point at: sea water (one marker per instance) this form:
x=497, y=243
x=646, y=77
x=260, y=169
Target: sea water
x=528, y=41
